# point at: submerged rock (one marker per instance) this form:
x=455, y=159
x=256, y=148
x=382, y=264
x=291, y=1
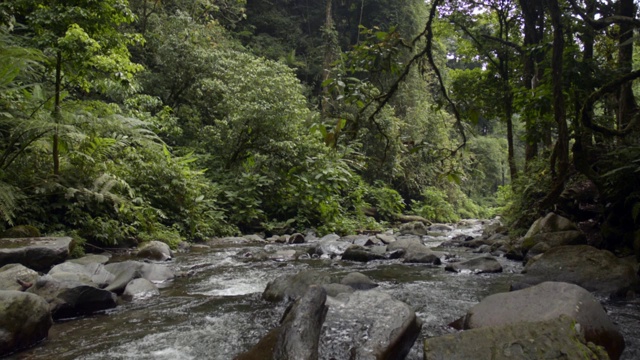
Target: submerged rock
x=39, y=254
x=485, y=264
x=543, y=302
x=368, y=325
x=25, y=320
x=595, y=270
x=557, y=338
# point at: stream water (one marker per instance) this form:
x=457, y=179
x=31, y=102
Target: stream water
x=216, y=311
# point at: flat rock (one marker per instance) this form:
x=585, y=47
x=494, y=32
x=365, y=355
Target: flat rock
x=556, y=338
x=25, y=320
x=368, y=325
x=543, y=302
x=39, y=254
x=595, y=270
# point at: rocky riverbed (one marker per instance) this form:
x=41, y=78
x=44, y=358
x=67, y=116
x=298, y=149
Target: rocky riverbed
x=216, y=306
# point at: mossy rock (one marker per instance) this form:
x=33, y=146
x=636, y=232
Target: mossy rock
x=21, y=231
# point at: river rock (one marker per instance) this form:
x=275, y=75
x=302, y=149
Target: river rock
x=330, y=248
x=361, y=254
x=386, y=238
x=39, y=254
x=12, y=274
x=553, y=230
x=484, y=264
x=556, y=338
x=334, y=289
x=413, y=228
x=25, y=320
x=155, y=250
x=126, y=271
x=298, y=335
x=414, y=251
x=138, y=289
x=94, y=273
x=288, y=287
x=296, y=238
x=91, y=259
x=358, y=281
x=595, y=270
x=547, y=301
x=69, y=298
x=368, y=325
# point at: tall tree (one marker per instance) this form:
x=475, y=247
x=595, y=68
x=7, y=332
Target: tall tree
x=87, y=52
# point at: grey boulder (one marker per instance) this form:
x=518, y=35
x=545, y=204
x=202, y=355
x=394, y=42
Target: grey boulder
x=543, y=302
x=556, y=338
x=70, y=298
x=368, y=325
x=595, y=270
x=139, y=289
x=25, y=320
x=39, y=254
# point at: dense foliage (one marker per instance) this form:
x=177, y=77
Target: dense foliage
x=124, y=121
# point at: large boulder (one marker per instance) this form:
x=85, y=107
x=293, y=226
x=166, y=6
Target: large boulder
x=69, y=298
x=484, y=264
x=298, y=335
x=368, y=325
x=39, y=254
x=155, y=250
x=25, y=320
x=557, y=338
x=292, y=287
x=547, y=301
x=16, y=277
x=552, y=230
x=595, y=270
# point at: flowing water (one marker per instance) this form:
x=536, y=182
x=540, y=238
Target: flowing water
x=216, y=310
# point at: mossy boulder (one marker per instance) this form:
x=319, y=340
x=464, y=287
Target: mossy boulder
x=25, y=320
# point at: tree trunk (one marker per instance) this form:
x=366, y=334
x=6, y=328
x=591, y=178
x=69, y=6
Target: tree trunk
x=627, y=106
x=328, y=56
x=533, y=13
x=57, y=114
x=559, y=112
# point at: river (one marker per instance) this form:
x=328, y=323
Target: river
x=216, y=310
